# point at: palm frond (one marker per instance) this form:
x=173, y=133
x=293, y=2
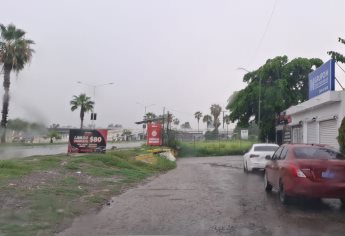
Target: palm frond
x=15, y=50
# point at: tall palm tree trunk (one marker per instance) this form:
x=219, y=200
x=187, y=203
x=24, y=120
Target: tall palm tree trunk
x=81, y=118
x=5, y=103
x=198, y=125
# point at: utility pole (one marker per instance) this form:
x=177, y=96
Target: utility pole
x=259, y=105
x=163, y=126
x=94, y=86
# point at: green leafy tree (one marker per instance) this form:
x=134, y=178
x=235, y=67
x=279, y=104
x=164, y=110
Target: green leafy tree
x=15, y=53
x=176, y=121
x=53, y=134
x=126, y=133
x=280, y=84
x=208, y=120
x=54, y=126
x=150, y=116
x=18, y=124
x=198, y=116
x=186, y=125
x=215, y=112
x=84, y=103
x=341, y=136
x=337, y=56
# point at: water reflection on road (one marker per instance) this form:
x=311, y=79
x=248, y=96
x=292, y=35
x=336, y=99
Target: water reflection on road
x=10, y=152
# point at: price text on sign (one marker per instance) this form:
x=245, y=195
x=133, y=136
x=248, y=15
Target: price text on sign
x=95, y=139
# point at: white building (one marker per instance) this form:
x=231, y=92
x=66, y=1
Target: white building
x=316, y=120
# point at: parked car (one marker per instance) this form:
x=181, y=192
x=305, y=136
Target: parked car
x=315, y=171
x=255, y=157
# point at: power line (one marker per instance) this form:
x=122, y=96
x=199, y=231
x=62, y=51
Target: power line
x=336, y=77
x=340, y=67
x=266, y=29
x=339, y=83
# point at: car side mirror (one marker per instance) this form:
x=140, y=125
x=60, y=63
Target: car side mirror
x=268, y=157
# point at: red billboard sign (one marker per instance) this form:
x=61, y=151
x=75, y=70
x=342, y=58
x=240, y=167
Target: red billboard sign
x=87, y=140
x=154, y=134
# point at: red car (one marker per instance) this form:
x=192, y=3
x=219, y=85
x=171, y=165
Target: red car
x=315, y=171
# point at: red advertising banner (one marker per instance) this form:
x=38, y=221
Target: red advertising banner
x=154, y=134
x=87, y=140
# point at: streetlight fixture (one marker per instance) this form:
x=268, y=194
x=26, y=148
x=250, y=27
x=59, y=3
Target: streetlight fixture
x=259, y=105
x=94, y=86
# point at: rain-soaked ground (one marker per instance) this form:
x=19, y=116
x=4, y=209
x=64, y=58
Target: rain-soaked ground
x=10, y=152
x=210, y=196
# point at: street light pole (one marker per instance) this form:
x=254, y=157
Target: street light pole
x=94, y=86
x=145, y=107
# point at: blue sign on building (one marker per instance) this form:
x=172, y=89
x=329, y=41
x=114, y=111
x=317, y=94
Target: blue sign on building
x=322, y=79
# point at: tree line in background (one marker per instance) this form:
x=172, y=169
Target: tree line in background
x=273, y=87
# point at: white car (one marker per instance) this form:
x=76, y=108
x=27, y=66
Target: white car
x=255, y=157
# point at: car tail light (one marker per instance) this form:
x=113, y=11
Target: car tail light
x=253, y=155
x=295, y=171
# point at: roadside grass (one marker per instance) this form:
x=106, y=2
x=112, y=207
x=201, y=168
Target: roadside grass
x=30, y=144
x=213, y=148
x=41, y=195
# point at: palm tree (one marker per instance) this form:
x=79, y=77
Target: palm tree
x=197, y=116
x=150, y=116
x=215, y=112
x=84, y=103
x=176, y=121
x=15, y=53
x=207, y=119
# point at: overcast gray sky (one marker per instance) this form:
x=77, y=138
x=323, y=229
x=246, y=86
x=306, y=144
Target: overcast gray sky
x=178, y=54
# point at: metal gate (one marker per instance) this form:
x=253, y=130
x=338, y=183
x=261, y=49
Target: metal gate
x=329, y=133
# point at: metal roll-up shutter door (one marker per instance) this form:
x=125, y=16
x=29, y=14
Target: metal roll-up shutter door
x=311, y=132
x=329, y=133
x=297, y=136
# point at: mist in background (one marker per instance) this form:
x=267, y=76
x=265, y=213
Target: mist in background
x=181, y=55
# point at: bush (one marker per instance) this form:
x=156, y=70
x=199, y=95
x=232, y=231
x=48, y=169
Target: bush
x=341, y=136
x=212, y=135
x=213, y=148
x=171, y=141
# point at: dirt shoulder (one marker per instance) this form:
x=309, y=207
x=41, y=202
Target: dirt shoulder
x=41, y=195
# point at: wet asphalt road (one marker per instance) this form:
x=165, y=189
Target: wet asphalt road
x=210, y=196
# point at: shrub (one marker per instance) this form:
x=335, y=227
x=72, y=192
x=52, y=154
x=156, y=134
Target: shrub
x=212, y=135
x=341, y=136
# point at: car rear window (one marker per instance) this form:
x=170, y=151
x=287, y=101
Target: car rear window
x=265, y=148
x=318, y=153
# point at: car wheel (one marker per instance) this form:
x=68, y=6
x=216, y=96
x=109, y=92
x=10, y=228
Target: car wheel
x=248, y=170
x=285, y=199
x=342, y=201
x=245, y=167
x=268, y=186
